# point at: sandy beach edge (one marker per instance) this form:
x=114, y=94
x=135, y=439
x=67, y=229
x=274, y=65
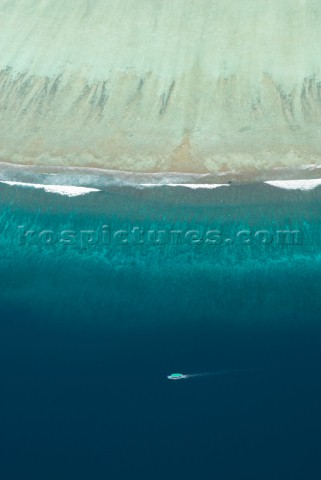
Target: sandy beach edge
x=99, y=177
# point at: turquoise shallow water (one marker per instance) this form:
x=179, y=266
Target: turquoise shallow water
x=89, y=331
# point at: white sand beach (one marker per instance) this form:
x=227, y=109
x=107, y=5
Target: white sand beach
x=199, y=86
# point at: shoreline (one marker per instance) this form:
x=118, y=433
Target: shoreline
x=86, y=176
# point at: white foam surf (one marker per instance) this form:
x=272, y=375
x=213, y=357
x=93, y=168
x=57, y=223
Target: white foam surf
x=296, y=184
x=193, y=186
x=68, y=190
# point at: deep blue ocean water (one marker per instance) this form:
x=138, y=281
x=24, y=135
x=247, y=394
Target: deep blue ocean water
x=89, y=333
